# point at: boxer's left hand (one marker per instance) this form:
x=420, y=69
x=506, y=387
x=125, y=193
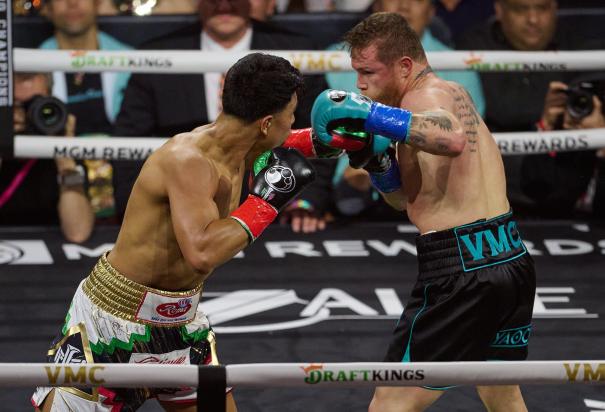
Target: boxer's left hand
x=354, y=112
x=383, y=168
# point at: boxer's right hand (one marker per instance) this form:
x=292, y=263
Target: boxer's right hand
x=356, y=113
x=280, y=175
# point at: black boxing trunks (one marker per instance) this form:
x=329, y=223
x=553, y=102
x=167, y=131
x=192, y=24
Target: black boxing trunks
x=473, y=299
x=112, y=319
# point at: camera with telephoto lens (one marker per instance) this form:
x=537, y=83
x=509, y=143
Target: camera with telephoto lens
x=580, y=95
x=45, y=115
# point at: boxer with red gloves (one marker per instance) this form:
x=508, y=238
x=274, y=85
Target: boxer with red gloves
x=181, y=222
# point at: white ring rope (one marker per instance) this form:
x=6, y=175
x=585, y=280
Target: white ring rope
x=308, y=374
x=311, y=61
x=139, y=148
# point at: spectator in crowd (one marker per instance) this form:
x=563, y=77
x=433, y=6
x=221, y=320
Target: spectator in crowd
x=561, y=179
x=313, y=6
x=43, y=191
x=354, y=193
x=174, y=7
x=157, y=105
x=515, y=101
x=459, y=15
x=94, y=98
x=262, y=10
x=107, y=8
x=565, y=4
x=520, y=25
x=598, y=200
x=75, y=28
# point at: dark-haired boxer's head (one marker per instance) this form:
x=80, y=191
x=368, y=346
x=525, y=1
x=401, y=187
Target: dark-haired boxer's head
x=262, y=86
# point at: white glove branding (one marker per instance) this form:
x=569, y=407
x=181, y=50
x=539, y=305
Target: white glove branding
x=360, y=98
x=280, y=178
x=337, y=95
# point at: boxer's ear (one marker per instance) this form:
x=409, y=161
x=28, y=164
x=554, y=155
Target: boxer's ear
x=265, y=125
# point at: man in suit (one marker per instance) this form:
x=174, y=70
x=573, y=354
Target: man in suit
x=164, y=105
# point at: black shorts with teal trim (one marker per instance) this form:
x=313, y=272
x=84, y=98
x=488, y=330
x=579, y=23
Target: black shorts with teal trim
x=474, y=296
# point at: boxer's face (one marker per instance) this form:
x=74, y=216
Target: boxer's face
x=72, y=17
x=224, y=19
x=26, y=86
x=375, y=79
x=527, y=24
x=418, y=13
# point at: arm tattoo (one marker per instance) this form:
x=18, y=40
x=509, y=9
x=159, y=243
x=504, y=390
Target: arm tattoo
x=467, y=115
x=417, y=138
x=437, y=119
x=442, y=144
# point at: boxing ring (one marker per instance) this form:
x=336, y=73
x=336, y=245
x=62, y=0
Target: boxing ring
x=340, y=306
x=212, y=381
x=321, y=301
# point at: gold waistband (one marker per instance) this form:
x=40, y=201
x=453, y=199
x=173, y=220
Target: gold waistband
x=118, y=295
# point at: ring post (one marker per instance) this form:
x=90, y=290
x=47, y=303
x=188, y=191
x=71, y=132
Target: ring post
x=211, y=388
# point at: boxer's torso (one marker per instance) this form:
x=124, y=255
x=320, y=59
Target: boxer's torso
x=147, y=250
x=443, y=192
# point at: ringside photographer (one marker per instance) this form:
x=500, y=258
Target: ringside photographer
x=43, y=191
x=559, y=183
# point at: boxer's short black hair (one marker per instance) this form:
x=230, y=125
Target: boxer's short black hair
x=259, y=85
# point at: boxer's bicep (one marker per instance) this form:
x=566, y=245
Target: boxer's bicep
x=434, y=127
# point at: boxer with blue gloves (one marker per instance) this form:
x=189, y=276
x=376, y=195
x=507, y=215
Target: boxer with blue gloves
x=338, y=115
x=476, y=281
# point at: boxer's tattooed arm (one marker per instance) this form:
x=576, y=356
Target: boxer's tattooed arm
x=436, y=119
x=418, y=139
x=467, y=115
x=434, y=132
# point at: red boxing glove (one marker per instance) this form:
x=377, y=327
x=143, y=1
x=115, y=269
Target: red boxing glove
x=301, y=140
x=305, y=141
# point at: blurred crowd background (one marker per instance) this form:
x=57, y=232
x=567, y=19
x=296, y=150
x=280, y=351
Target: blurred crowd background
x=80, y=195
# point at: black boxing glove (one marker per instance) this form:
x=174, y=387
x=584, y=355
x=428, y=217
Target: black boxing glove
x=280, y=175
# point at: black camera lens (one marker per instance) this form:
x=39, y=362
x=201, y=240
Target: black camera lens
x=579, y=103
x=46, y=115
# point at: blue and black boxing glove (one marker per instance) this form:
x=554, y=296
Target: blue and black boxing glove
x=382, y=168
x=348, y=111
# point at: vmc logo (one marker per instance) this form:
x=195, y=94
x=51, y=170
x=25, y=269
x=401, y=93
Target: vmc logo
x=24, y=252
